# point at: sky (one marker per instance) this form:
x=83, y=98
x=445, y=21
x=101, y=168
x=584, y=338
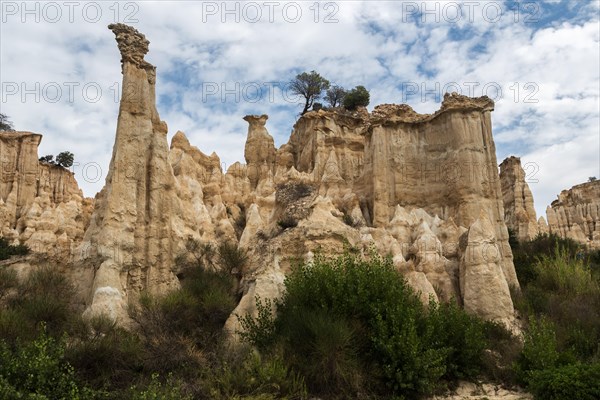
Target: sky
x=218, y=61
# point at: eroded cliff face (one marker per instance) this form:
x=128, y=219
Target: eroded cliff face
x=423, y=189
x=41, y=204
x=576, y=214
x=519, y=212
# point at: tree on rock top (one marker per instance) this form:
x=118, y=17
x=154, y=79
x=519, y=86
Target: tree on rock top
x=310, y=86
x=5, y=124
x=359, y=96
x=65, y=159
x=335, y=96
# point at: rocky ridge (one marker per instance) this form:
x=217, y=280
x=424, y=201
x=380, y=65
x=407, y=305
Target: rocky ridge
x=575, y=214
x=41, y=204
x=423, y=189
x=519, y=212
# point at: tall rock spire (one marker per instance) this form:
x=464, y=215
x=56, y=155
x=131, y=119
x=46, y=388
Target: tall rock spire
x=128, y=242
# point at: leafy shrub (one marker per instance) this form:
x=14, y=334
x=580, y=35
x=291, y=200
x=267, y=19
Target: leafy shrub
x=527, y=254
x=540, y=349
x=43, y=297
x=561, y=295
x=568, y=295
x=576, y=381
x=103, y=354
x=38, y=368
x=349, y=220
x=7, y=250
x=239, y=222
x=564, y=274
x=288, y=193
x=462, y=335
x=259, y=331
x=352, y=326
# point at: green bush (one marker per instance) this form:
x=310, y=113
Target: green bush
x=503, y=351
x=45, y=297
x=7, y=250
x=576, y=381
x=353, y=326
x=527, y=254
x=104, y=355
x=462, y=335
x=38, y=370
x=540, y=349
x=561, y=296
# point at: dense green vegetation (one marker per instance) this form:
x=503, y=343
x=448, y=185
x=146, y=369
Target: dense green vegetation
x=560, y=301
x=345, y=328
x=353, y=328
x=63, y=159
x=8, y=250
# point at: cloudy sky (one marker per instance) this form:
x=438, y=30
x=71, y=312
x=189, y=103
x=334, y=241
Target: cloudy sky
x=218, y=61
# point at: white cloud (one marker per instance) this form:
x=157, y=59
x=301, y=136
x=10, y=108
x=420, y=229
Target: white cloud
x=375, y=43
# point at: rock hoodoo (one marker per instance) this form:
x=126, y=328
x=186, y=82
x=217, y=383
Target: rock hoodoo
x=519, y=212
x=129, y=240
x=423, y=189
x=576, y=214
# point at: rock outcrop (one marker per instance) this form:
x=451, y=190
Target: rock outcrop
x=576, y=214
x=519, y=212
x=129, y=241
x=423, y=189
x=41, y=204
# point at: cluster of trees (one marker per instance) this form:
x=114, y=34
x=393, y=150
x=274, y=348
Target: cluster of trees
x=63, y=159
x=311, y=86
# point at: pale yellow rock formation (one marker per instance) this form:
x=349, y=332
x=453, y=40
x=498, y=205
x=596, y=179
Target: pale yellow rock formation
x=484, y=290
x=519, y=212
x=41, y=204
x=259, y=150
x=576, y=214
x=423, y=189
x=129, y=241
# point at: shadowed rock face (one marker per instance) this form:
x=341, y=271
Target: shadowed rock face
x=519, y=212
x=576, y=214
x=423, y=189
